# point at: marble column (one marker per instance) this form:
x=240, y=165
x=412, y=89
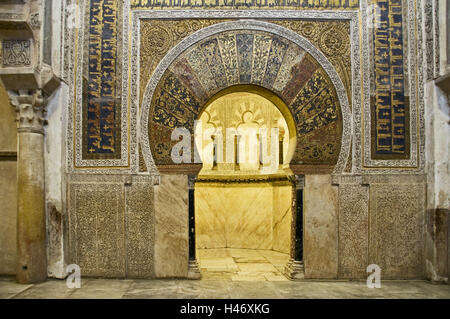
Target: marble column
x=295, y=267
x=193, y=270
x=280, y=150
x=31, y=264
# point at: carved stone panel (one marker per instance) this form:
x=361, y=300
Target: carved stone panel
x=353, y=230
x=396, y=229
x=96, y=219
x=16, y=53
x=140, y=230
x=111, y=225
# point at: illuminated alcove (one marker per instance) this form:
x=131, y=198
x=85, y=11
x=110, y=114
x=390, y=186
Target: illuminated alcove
x=243, y=194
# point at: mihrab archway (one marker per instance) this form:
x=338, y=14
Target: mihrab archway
x=261, y=55
x=248, y=52
x=243, y=193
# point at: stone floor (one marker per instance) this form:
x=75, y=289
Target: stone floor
x=215, y=289
x=242, y=264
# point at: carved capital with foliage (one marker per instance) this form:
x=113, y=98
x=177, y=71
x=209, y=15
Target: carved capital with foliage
x=30, y=106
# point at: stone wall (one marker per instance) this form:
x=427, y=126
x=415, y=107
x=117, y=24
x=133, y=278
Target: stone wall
x=8, y=185
x=371, y=219
x=124, y=226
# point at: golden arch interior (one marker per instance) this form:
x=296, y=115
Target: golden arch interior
x=242, y=194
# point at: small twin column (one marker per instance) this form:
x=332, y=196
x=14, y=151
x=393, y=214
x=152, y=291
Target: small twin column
x=193, y=270
x=295, y=267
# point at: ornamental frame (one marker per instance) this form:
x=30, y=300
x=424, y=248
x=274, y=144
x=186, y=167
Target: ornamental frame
x=251, y=22
x=73, y=72
x=131, y=123
x=414, y=58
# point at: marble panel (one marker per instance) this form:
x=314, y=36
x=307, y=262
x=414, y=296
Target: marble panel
x=442, y=225
x=282, y=218
x=8, y=187
x=209, y=223
x=249, y=217
x=260, y=219
x=226, y=218
x=171, y=226
x=320, y=227
x=8, y=127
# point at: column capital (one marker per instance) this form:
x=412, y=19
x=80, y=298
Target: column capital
x=191, y=181
x=298, y=181
x=30, y=107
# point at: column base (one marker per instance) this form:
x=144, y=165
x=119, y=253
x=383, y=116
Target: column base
x=295, y=270
x=193, y=270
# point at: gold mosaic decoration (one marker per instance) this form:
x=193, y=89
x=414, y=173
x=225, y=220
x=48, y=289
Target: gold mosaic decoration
x=246, y=4
x=254, y=58
x=332, y=38
x=320, y=130
x=158, y=37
